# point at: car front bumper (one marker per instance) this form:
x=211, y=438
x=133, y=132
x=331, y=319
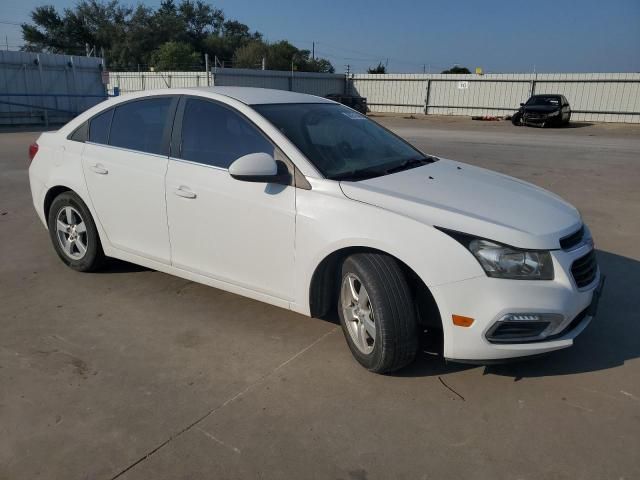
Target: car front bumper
x=539, y=118
x=487, y=300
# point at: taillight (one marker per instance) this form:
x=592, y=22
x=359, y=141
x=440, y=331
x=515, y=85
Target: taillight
x=33, y=149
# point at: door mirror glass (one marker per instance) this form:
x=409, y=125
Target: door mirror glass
x=255, y=167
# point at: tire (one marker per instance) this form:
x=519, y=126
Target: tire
x=74, y=234
x=377, y=312
x=516, y=119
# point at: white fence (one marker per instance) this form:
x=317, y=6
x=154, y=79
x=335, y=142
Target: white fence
x=128, y=82
x=600, y=97
x=37, y=88
x=320, y=84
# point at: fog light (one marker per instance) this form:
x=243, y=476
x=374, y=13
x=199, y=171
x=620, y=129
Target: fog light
x=524, y=327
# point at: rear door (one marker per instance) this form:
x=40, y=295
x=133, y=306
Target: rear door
x=237, y=232
x=125, y=162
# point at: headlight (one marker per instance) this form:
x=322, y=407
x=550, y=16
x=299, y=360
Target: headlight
x=554, y=114
x=501, y=261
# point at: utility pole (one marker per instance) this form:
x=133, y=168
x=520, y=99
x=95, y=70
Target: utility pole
x=264, y=63
x=348, y=68
x=313, y=50
x=86, y=49
x=206, y=67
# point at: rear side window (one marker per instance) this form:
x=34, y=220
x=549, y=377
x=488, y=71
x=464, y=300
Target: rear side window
x=140, y=125
x=99, y=127
x=216, y=135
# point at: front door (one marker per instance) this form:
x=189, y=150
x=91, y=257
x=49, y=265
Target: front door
x=237, y=232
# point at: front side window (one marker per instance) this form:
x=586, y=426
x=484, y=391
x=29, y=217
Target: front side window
x=99, y=127
x=139, y=125
x=341, y=143
x=216, y=135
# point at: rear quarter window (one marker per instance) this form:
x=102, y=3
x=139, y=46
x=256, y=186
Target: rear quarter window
x=99, y=127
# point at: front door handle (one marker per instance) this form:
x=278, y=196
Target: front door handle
x=99, y=168
x=184, y=192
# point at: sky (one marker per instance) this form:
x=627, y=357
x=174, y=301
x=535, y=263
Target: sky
x=416, y=36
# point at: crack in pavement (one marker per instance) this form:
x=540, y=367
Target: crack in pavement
x=250, y=387
x=450, y=388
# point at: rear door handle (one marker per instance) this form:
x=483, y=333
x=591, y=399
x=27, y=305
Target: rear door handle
x=98, y=168
x=184, y=192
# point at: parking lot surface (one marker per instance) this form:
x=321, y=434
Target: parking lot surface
x=131, y=373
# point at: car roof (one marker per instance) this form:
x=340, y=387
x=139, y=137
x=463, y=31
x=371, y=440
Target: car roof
x=260, y=96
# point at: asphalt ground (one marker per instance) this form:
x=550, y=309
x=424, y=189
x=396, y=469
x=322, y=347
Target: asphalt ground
x=131, y=373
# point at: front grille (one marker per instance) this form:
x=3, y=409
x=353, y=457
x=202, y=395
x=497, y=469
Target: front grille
x=585, y=269
x=570, y=241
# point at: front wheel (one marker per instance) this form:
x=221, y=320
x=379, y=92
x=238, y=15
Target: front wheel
x=516, y=119
x=377, y=312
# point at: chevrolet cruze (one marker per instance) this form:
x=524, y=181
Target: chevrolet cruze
x=306, y=204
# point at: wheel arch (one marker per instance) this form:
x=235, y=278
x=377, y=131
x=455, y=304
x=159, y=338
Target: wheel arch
x=51, y=194
x=325, y=279
x=59, y=188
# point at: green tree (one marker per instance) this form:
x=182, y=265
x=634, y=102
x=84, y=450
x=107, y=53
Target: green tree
x=379, y=69
x=174, y=56
x=178, y=32
x=250, y=55
x=457, y=69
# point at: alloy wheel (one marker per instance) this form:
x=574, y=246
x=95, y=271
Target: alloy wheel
x=71, y=233
x=358, y=313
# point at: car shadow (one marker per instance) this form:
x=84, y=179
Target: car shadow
x=611, y=340
x=114, y=265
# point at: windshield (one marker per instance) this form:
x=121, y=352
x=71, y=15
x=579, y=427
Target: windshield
x=544, y=100
x=341, y=143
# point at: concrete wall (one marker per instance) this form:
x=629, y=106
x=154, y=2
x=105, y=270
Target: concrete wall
x=320, y=84
x=601, y=97
x=44, y=88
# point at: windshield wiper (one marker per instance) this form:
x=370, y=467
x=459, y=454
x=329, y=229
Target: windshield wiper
x=364, y=174
x=410, y=163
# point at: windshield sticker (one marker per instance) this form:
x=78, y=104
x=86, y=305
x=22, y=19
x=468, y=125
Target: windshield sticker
x=353, y=115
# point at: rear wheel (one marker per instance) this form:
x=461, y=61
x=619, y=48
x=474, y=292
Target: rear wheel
x=73, y=233
x=377, y=312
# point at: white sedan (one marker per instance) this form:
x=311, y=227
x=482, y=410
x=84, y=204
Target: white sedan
x=303, y=203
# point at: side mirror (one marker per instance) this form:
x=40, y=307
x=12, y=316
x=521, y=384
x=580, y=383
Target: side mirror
x=256, y=167
x=522, y=104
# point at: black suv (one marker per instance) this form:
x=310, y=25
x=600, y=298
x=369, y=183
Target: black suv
x=542, y=110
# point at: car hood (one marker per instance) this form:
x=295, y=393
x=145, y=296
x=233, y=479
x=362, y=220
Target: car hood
x=541, y=108
x=472, y=200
